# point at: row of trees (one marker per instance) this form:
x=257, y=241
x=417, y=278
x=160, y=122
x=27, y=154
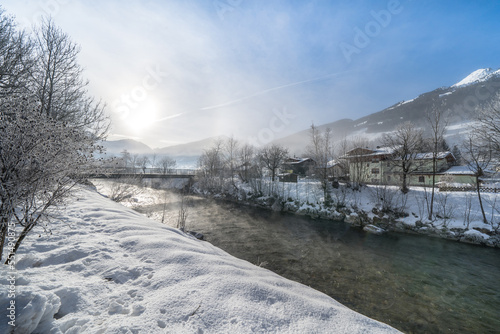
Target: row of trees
x=49, y=126
x=226, y=159
x=135, y=162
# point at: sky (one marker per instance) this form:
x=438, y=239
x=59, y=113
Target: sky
x=178, y=71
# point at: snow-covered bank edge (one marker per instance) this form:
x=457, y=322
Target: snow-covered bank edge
x=107, y=269
x=367, y=209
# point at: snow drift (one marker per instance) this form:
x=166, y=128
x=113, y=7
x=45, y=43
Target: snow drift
x=106, y=269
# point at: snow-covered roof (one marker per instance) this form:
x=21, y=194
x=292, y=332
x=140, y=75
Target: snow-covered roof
x=369, y=152
x=294, y=161
x=332, y=163
x=459, y=170
x=428, y=155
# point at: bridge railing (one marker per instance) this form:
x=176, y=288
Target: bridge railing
x=139, y=171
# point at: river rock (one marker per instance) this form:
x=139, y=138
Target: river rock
x=373, y=229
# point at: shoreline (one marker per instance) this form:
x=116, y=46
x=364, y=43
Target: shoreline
x=376, y=222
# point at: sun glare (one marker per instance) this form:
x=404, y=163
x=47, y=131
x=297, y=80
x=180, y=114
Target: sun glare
x=142, y=118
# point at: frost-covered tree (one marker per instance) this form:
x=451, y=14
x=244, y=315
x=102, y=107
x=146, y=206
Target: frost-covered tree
x=15, y=56
x=41, y=162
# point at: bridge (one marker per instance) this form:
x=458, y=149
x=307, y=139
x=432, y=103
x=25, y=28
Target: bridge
x=148, y=173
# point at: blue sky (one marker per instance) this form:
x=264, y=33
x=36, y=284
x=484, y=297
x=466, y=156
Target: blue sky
x=178, y=71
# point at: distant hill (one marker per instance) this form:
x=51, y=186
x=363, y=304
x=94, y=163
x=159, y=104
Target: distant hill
x=115, y=147
x=459, y=103
x=194, y=148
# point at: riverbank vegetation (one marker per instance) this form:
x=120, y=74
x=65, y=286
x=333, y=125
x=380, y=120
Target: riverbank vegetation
x=375, y=207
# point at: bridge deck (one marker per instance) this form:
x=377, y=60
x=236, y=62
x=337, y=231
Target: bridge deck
x=141, y=176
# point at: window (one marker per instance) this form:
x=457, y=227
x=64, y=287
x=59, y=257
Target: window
x=375, y=171
x=421, y=179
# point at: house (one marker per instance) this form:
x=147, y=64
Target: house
x=423, y=173
x=300, y=166
x=369, y=166
x=377, y=166
x=334, y=170
x=288, y=177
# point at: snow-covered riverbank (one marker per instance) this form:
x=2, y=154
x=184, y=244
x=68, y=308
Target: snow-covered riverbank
x=107, y=269
x=377, y=209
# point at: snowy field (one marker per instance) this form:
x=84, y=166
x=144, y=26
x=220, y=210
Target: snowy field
x=104, y=268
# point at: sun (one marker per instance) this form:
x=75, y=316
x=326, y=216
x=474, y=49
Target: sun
x=141, y=118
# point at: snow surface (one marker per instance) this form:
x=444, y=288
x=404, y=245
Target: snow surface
x=106, y=269
x=477, y=76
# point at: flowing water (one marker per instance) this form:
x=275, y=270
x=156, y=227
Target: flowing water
x=414, y=283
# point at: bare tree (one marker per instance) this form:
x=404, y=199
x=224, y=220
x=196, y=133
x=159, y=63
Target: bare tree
x=16, y=57
x=489, y=124
x=231, y=153
x=246, y=157
x=167, y=164
x=478, y=153
x=211, y=164
x=272, y=157
x=321, y=151
x=183, y=212
x=57, y=81
x=126, y=158
x=134, y=162
x=143, y=163
x=405, y=143
x=356, y=162
x=437, y=123
x=153, y=161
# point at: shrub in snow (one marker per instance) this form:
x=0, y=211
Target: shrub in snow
x=41, y=161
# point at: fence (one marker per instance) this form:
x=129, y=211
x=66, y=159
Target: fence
x=469, y=188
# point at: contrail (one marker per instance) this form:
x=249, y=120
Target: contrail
x=168, y=117
x=272, y=89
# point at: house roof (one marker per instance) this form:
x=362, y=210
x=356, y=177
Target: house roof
x=365, y=152
x=296, y=161
x=459, y=170
x=332, y=163
x=428, y=155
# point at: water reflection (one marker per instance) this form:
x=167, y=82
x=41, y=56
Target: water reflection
x=414, y=283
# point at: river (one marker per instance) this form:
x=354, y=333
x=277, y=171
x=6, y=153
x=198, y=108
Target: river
x=414, y=283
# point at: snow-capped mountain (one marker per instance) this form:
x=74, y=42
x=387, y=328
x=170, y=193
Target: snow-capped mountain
x=477, y=76
x=459, y=102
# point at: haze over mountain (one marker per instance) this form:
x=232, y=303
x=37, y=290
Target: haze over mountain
x=459, y=103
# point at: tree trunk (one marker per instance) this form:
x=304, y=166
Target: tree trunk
x=480, y=200
x=404, y=188
x=433, y=185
